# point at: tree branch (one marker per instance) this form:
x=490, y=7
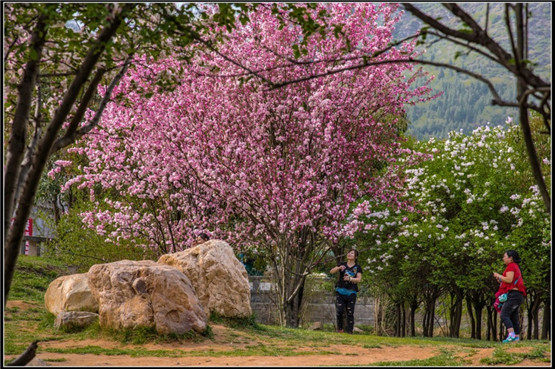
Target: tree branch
x=189, y=32
x=26, y=356
x=81, y=109
x=483, y=39
x=72, y=135
x=479, y=77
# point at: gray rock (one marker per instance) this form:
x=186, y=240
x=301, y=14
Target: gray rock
x=316, y=326
x=74, y=319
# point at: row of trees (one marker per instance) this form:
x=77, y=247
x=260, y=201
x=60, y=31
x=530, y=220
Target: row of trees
x=473, y=202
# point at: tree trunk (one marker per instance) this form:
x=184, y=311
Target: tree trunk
x=429, y=315
x=293, y=310
x=455, y=313
x=494, y=325
x=532, y=315
x=523, y=112
x=16, y=143
x=546, y=320
x=489, y=323
x=403, y=320
x=471, y=316
x=398, y=320
x=535, y=321
x=478, y=308
x=378, y=315
x=30, y=184
x=413, y=307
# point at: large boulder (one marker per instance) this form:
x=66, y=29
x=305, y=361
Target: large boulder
x=146, y=294
x=70, y=293
x=219, y=278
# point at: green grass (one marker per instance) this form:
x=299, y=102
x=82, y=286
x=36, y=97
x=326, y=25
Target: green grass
x=32, y=276
x=501, y=356
x=236, y=323
x=254, y=350
x=141, y=335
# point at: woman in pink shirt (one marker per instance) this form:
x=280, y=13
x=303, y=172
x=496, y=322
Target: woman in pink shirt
x=513, y=285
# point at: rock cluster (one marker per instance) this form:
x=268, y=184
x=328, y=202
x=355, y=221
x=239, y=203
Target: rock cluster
x=174, y=295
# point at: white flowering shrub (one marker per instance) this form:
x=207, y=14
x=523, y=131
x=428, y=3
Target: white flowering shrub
x=473, y=200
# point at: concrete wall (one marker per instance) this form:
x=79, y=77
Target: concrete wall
x=320, y=303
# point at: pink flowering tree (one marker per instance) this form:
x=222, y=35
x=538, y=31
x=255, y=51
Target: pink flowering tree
x=271, y=169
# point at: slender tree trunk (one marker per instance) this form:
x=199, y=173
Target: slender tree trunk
x=413, y=307
x=532, y=316
x=471, y=316
x=293, y=310
x=536, y=334
x=399, y=319
x=531, y=301
x=378, y=315
x=455, y=313
x=494, y=325
x=429, y=315
x=521, y=318
x=478, y=308
x=489, y=323
x=403, y=320
x=546, y=320
x=523, y=113
x=16, y=143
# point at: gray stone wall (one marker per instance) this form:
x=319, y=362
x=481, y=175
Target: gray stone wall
x=319, y=303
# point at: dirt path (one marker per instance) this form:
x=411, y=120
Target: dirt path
x=335, y=355
x=345, y=356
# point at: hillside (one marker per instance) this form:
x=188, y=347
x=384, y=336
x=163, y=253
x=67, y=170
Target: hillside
x=465, y=103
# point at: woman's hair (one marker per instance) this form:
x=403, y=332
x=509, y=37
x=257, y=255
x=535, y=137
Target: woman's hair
x=356, y=253
x=513, y=254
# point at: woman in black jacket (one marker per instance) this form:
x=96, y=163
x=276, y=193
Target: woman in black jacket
x=350, y=274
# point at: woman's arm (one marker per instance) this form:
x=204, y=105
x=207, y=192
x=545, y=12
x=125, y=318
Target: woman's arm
x=335, y=269
x=507, y=279
x=357, y=279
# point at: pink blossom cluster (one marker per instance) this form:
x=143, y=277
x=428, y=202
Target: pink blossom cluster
x=248, y=163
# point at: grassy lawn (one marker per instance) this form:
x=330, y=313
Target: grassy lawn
x=28, y=320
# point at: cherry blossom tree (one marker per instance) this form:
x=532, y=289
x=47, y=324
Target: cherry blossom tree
x=55, y=57
x=273, y=169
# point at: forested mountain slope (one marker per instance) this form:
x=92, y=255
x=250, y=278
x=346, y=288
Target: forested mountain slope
x=465, y=103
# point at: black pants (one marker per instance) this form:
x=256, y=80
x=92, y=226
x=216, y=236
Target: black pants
x=509, y=310
x=345, y=304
